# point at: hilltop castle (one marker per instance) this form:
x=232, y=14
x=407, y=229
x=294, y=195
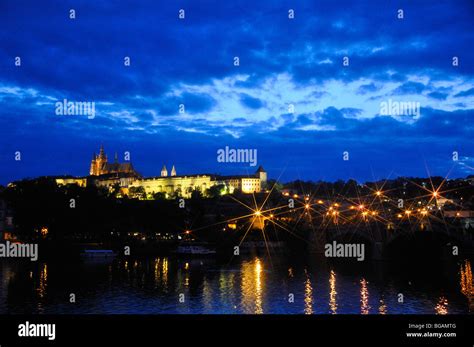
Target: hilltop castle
x=101, y=166
x=110, y=175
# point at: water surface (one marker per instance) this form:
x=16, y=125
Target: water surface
x=250, y=285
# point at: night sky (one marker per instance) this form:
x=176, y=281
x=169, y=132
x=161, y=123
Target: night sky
x=282, y=61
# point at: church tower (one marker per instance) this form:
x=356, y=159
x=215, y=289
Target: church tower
x=93, y=169
x=102, y=155
x=98, y=163
x=100, y=166
x=164, y=172
x=173, y=171
x=262, y=174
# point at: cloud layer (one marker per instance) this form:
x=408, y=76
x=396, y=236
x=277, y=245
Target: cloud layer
x=290, y=95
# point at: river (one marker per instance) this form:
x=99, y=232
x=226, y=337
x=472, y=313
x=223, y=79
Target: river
x=248, y=285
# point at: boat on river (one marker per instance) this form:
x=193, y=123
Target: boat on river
x=98, y=253
x=195, y=248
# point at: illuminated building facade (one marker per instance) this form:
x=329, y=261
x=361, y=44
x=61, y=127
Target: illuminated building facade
x=80, y=181
x=174, y=185
x=123, y=175
x=6, y=220
x=101, y=166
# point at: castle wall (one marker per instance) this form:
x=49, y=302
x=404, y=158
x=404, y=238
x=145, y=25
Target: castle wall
x=81, y=182
x=171, y=184
x=251, y=184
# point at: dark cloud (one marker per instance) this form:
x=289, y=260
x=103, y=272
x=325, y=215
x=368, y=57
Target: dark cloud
x=366, y=88
x=83, y=59
x=438, y=95
x=251, y=102
x=469, y=92
x=410, y=88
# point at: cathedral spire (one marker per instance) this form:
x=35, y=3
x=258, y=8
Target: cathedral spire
x=102, y=156
x=164, y=172
x=101, y=152
x=173, y=171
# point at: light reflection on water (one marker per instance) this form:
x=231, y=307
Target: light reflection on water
x=467, y=284
x=382, y=307
x=364, y=297
x=333, y=292
x=308, y=295
x=442, y=306
x=251, y=286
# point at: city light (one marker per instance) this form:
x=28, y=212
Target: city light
x=361, y=114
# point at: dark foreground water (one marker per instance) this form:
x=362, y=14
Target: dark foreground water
x=249, y=285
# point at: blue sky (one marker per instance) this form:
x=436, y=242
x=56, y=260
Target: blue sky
x=283, y=62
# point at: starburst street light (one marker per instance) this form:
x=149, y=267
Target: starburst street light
x=366, y=207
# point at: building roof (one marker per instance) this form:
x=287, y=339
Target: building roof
x=176, y=177
x=222, y=178
x=116, y=175
x=118, y=167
